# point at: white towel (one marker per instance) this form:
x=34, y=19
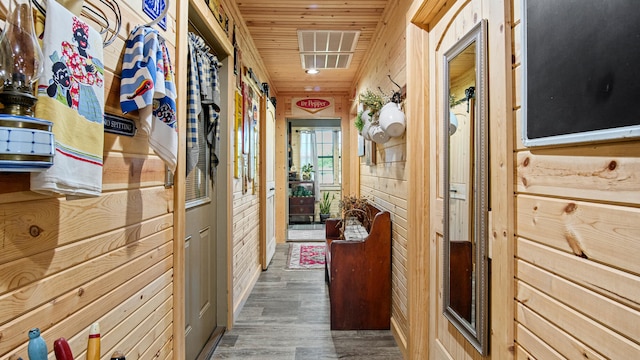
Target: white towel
x=147, y=85
x=71, y=95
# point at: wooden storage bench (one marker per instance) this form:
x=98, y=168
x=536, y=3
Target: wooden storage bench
x=358, y=271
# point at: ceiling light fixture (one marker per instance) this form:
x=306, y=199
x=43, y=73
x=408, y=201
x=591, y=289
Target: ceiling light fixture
x=312, y=71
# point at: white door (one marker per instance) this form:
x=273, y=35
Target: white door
x=269, y=245
x=200, y=253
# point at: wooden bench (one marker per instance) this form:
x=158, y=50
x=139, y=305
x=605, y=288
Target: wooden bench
x=358, y=271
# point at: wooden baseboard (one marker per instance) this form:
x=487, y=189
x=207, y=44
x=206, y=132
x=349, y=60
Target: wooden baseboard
x=245, y=295
x=400, y=337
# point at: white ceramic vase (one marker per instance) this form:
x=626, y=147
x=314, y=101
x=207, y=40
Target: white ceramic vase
x=392, y=119
x=378, y=135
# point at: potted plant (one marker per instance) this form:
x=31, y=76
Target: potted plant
x=359, y=124
x=306, y=171
x=354, y=208
x=325, y=206
x=372, y=101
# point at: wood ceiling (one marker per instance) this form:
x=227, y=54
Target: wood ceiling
x=274, y=24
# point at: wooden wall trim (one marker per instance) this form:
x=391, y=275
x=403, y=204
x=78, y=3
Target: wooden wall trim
x=501, y=164
x=179, y=268
x=418, y=143
x=430, y=12
x=281, y=173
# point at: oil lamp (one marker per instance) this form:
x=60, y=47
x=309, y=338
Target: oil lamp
x=26, y=143
x=20, y=60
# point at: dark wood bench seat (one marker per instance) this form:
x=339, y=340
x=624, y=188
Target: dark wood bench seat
x=358, y=271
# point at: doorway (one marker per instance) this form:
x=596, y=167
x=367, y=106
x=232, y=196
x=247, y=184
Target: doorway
x=314, y=148
x=200, y=249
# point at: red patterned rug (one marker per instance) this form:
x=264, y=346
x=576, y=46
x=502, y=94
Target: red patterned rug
x=306, y=256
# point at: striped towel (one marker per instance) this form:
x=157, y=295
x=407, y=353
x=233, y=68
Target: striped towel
x=147, y=85
x=71, y=95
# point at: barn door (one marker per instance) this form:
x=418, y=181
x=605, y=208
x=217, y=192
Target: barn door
x=268, y=246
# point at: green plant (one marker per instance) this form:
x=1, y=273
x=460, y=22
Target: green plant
x=453, y=102
x=372, y=101
x=301, y=191
x=307, y=169
x=359, y=122
x=325, y=203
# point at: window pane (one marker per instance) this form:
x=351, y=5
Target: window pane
x=326, y=150
x=196, y=184
x=325, y=136
x=325, y=156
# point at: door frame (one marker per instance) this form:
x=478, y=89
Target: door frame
x=321, y=123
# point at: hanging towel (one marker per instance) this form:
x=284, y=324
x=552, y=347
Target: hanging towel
x=147, y=85
x=194, y=105
x=71, y=95
x=204, y=93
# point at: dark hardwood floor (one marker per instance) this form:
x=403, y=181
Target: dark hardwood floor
x=287, y=317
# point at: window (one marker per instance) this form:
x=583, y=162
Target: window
x=197, y=183
x=328, y=150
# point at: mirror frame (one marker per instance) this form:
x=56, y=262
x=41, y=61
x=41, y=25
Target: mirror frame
x=477, y=335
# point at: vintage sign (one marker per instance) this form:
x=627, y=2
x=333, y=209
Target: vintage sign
x=313, y=105
x=119, y=125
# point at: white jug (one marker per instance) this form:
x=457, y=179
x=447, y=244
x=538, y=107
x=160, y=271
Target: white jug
x=392, y=119
x=378, y=135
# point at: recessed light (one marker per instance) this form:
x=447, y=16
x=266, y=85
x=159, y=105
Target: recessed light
x=312, y=71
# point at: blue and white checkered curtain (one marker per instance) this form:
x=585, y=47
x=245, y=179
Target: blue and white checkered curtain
x=203, y=93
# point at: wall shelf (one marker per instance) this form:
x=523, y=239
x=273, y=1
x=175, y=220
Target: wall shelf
x=209, y=28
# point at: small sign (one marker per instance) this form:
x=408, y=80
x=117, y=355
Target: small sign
x=313, y=105
x=119, y=125
x=154, y=8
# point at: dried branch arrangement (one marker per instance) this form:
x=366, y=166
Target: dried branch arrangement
x=351, y=207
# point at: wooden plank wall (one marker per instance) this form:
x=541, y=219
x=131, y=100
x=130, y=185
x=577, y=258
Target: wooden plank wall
x=66, y=263
x=577, y=213
x=245, y=237
x=386, y=181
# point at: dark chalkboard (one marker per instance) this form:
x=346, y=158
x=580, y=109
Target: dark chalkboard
x=581, y=70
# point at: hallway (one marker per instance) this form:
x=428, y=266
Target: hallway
x=287, y=317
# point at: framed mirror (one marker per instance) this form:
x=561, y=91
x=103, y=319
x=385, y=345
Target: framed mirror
x=466, y=187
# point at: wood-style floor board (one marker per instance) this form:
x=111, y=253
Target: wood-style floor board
x=286, y=317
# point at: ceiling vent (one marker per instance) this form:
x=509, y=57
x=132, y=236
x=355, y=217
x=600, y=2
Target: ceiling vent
x=327, y=49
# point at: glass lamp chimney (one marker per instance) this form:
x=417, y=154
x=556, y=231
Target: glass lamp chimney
x=20, y=59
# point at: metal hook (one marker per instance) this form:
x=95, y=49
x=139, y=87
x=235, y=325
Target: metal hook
x=162, y=15
x=397, y=96
x=395, y=83
x=96, y=14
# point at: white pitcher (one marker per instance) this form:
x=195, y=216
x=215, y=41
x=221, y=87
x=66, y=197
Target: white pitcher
x=392, y=119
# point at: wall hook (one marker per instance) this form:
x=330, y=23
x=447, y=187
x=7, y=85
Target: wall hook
x=397, y=96
x=395, y=83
